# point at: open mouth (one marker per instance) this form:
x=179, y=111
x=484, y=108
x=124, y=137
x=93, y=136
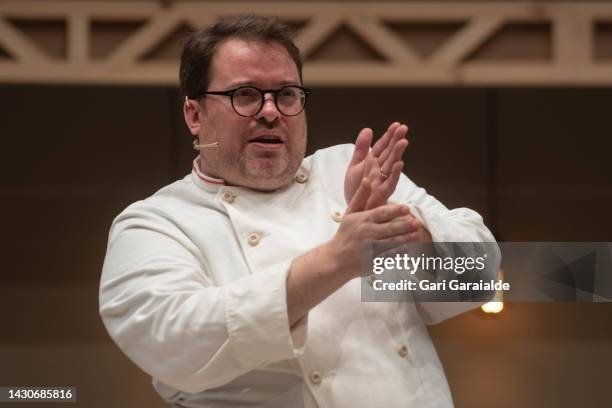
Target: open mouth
x=267, y=140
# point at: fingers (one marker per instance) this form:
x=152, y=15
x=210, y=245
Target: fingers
x=401, y=229
x=391, y=182
x=399, y=226
x=382, y=191
x=393, y=179
x=390, y=156
x=395, y=156
x=370, y=163
x=382, y=143
x=409, y=237
x=398, y=135
x=388, y=212
x=362, y=145
x=359, y=200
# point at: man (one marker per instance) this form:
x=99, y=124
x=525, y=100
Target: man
x=236, y=286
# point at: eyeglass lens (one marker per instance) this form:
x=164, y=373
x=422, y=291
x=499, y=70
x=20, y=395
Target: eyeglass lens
x=290, y=100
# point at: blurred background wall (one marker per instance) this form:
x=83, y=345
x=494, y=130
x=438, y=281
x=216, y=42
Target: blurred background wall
x=533, y=159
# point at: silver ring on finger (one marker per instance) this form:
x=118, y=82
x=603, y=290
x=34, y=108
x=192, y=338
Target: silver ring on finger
x=383, y=174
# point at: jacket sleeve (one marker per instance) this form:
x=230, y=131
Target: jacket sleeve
x=444, y=225
x=160, y=306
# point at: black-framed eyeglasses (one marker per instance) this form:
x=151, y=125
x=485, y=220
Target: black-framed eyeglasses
x=248, y=101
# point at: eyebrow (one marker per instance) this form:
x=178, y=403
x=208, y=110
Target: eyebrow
x=253, y=84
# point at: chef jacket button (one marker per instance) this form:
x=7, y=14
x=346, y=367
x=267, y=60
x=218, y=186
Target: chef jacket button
x=253, y=239
x=402, y=351
x=228, y=197
x=301, y=178
x=315, y=377
x=337, y=216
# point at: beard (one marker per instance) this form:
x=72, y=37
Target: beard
x=266, y=167
x=269, y=170
x=256, y=169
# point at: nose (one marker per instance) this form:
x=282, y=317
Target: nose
x=269, y=112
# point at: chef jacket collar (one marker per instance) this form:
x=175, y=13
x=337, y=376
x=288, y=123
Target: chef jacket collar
x=208, y=183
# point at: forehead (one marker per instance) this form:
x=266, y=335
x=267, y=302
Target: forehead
x=237, y=61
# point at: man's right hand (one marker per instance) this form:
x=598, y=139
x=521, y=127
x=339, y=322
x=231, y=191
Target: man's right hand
x=321, y=271
x=386, y=223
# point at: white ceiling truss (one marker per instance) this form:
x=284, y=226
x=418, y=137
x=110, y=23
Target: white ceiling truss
x=573, y=57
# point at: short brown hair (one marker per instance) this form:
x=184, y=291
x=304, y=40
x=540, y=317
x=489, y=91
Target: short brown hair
x=200, y=47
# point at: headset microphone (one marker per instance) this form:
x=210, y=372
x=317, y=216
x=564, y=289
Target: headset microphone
x=197, y=146
x=204, y=146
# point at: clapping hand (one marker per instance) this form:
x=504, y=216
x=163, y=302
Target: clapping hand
x=381, y=165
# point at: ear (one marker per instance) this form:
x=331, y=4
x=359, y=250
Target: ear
x=191, y=112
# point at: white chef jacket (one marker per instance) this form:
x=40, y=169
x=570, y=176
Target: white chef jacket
x=193, y=291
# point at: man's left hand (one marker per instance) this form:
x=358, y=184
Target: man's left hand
x=382, y=164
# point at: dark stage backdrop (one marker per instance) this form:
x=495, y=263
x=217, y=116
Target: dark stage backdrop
x=534, y=162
